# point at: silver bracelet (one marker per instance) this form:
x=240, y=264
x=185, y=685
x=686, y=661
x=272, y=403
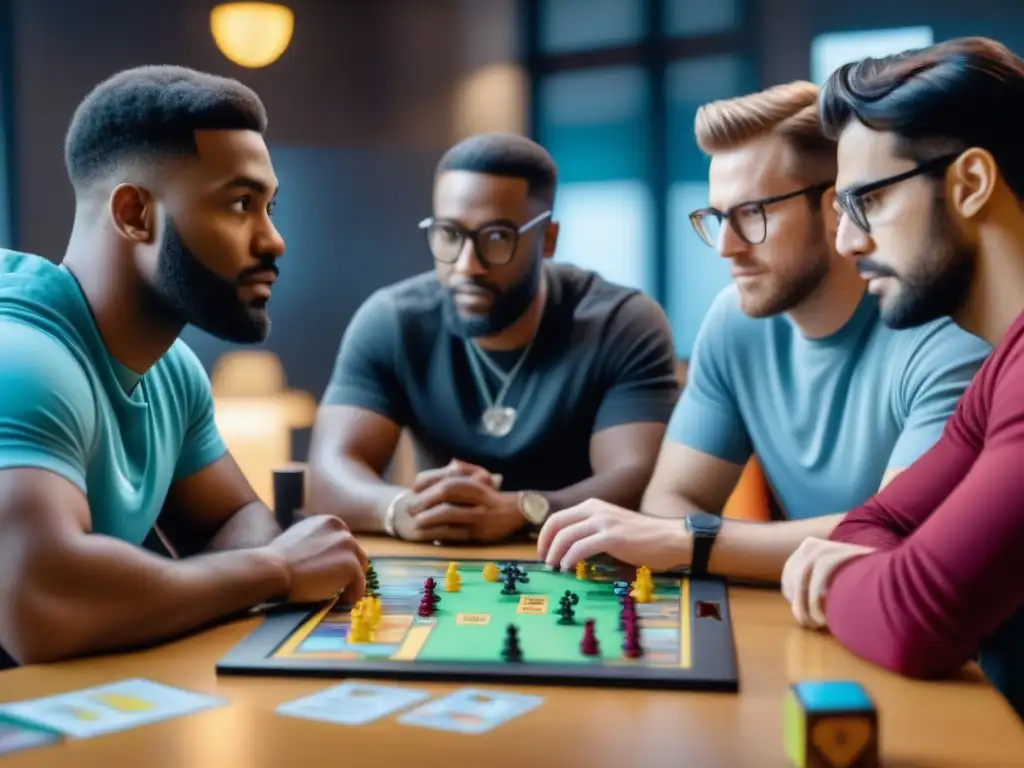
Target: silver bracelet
x=389, y=514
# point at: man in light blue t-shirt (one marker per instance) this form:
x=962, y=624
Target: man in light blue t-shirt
x=106, y=417
x=792, y=364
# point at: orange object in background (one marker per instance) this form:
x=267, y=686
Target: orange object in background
x=750, y=497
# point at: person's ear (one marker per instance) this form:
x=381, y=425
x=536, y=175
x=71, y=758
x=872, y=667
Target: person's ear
x=971, y=181
x=133, y=211
x=550, y=239
x=828, y=214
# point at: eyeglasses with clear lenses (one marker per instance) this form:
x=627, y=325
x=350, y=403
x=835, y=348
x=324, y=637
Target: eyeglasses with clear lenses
x=748, y=219
x=495, y=243
x=852, y=201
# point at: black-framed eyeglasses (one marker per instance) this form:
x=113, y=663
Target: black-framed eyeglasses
x=495, y=243
x=748, y=219
x=851, y=200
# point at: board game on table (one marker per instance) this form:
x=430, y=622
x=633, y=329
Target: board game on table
x=679, y=634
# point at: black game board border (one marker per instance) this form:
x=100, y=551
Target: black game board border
x=712, y=646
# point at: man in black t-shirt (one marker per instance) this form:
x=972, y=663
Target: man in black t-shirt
x=527, y=386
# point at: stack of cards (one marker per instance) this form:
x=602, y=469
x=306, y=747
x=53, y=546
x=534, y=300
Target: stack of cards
x=469, y=710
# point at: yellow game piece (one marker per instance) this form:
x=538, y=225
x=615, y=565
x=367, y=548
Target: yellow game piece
x=372, y=612
x=642, y=593
x=644, y=580
x=359, y=630
x=452, y=580
x=491, y=572
x=581, y=570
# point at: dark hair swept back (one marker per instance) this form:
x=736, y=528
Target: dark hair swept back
x=961, y=93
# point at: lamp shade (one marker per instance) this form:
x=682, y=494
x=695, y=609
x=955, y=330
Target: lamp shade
x=252, y=34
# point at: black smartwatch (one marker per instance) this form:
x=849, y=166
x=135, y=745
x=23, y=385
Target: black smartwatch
x=703, y=527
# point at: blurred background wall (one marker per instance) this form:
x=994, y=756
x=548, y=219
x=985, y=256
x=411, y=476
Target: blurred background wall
x=367, y=95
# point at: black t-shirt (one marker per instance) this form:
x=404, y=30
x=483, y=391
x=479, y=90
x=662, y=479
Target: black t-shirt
x=602, y=357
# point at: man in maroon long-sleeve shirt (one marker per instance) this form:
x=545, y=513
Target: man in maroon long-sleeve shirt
x=930, y=572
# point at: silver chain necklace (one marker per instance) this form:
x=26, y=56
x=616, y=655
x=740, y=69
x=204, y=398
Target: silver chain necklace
x=498, y=419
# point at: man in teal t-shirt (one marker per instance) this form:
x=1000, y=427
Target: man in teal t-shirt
x=106, y=417
x=792, y=364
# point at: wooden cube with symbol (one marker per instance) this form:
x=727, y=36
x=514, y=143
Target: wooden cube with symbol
x=831, y=724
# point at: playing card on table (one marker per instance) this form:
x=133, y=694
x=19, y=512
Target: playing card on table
x=471, y=710
x=352, y=703
x=16, y=736
x=108, y=708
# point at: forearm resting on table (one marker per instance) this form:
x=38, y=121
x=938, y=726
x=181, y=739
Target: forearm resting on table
x=756, y=551
x=622, y=486
x=251, y=526
x=97, y=594
x=349, y=488
x=759, y=551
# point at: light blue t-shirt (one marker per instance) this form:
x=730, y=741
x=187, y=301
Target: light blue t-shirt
x=825, y=417
x=68, y=407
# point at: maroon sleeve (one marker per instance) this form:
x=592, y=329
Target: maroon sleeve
x=885, y=520
x=922, y=606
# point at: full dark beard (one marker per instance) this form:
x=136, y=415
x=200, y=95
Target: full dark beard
x=507, y=307
x=938, y=288
x=199, y=297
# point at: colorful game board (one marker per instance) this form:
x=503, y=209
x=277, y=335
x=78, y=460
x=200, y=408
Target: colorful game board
x=684, y=632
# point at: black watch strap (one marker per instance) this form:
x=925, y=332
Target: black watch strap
x=701, y=553
x=703, y=530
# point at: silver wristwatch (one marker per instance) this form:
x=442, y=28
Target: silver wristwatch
x=534, y=507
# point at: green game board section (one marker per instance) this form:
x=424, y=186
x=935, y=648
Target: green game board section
x=541, y=637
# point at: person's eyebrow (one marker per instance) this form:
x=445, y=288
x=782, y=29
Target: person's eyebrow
x=248, y=182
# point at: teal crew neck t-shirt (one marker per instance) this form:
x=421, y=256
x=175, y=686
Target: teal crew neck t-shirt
x=825, y=417
x=66, y=406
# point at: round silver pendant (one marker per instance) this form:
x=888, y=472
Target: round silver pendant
x=498, y=420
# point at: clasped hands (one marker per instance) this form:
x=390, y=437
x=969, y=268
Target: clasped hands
x=457, y=502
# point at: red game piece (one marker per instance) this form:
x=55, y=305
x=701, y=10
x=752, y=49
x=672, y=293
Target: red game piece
x=627, y=616
x=588, y=645
x=429, y=594
x=426, y=606
x=631, y=647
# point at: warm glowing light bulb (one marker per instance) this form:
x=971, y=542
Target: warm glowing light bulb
x=252, y=34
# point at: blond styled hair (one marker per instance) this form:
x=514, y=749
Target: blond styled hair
x=789, y=110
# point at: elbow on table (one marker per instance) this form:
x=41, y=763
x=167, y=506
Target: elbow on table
x=32, y=632
x=918, y=655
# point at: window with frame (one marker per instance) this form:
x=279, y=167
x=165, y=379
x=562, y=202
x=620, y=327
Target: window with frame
x=614, y=87
x=831, y=50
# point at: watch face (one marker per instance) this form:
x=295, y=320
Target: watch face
x=535, y=507
x=703, y=522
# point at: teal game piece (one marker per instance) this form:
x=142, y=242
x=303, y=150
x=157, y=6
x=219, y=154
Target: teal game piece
x=831, y=724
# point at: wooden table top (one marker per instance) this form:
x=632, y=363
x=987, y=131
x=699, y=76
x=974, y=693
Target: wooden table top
x=956, y=723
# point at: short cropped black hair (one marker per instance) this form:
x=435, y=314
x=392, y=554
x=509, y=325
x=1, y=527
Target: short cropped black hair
x=151, y=113
x=505, y=154
x=961, y=93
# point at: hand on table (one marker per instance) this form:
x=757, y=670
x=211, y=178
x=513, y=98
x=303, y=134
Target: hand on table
x=808, y=573
x=323, y=559
x=597, y=527
x=457, y=503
